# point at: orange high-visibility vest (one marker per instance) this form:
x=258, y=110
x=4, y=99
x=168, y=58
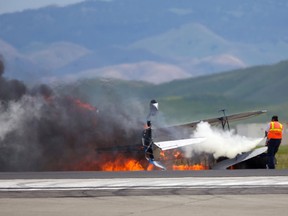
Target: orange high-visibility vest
x=275, y=130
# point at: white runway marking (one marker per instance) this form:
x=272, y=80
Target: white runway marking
x=142, y=183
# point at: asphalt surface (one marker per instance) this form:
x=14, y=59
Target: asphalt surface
x=207, y=192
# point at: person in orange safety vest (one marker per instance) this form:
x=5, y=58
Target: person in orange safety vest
x=274, y=137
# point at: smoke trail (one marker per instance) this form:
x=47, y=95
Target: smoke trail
x=220, y=143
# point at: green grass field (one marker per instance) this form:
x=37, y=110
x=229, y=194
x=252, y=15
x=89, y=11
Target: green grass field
x=282, y=157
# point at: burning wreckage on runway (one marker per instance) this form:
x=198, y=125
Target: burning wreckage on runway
x=212, y=148
x=42, y=130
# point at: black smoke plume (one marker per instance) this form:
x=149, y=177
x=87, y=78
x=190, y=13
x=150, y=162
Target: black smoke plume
x=42, y=129
x=12, y=89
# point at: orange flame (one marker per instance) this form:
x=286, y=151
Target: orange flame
x=150, y=167
x=177, y=154
x=84, y=105
x=190, y=167
x=122, y=164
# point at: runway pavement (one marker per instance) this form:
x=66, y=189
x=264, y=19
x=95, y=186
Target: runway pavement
x=96, y=184
x=209, y=192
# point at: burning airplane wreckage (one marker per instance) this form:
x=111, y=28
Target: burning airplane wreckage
x=44, y=130
x=203, y=146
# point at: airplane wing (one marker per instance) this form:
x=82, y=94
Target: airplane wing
x=240, y=158
x=221, y=119
x=166, y=145
x=183, y=130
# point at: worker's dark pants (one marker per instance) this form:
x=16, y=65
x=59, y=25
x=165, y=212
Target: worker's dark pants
x=149, y=152
x=273, y=146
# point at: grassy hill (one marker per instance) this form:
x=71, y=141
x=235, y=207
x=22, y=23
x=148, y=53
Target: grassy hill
x=251, y=84
x=197, y=37
x=261, y=87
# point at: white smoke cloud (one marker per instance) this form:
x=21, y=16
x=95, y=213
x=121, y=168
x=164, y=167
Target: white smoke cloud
x=220, y=143
x=15, y=113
